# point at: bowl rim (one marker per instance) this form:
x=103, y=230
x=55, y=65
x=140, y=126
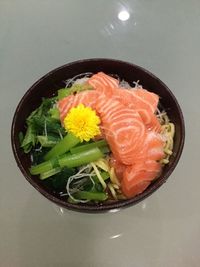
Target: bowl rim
x=109, y=206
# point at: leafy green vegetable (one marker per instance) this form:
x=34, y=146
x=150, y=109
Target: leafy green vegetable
x=46, y=104
x=40, y=122
x=37, y=155
x=43, y=123
x=88, y=185
x=62, y=93
x=21, y=138
x=104, y=175
x=99, y=187
x=105, y=149
x=54, y=113
x=58, y=181
x=30, y=138
x=47, y=141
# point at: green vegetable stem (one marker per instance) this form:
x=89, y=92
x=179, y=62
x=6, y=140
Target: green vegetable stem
x=63, y=146
x=81, y=158
x=99, y=196
x=44, y=167
x=68, y=160
x=85, y=147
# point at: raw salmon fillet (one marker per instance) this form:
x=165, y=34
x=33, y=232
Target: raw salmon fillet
x=144, y=102
x=137, y=177
x=103, y=83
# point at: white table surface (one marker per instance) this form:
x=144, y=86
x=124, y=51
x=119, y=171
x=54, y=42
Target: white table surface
x=163, y=36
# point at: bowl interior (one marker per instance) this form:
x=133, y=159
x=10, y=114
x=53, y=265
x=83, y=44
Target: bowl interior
x=51, y=82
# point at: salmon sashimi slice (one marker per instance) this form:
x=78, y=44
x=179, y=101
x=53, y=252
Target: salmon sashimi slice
x=150, y=120
x=104, y=83
x=137, y=178
x=155, y=146
x=123, y=129
x=87, y=98
x=135, y=190
x=148, y=97
x=137, y=99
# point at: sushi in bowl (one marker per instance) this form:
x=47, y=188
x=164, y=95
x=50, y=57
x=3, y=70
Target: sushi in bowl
x=97, y=134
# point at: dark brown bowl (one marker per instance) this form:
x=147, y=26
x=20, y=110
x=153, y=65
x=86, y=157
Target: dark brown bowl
x=51, y=82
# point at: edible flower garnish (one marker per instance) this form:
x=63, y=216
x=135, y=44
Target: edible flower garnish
x=82, y=122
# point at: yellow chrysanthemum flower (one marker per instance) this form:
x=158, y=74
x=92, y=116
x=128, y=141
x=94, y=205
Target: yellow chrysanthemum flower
x=82, y=122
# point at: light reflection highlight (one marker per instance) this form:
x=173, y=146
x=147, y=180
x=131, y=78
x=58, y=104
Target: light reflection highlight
x=111, y=26
x=115, y=236
x=114, y=210
x=123, y=15
x=60, y=211
x=144, y=206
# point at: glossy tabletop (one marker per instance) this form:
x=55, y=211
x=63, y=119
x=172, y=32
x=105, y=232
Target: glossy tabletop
x=37, y=36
